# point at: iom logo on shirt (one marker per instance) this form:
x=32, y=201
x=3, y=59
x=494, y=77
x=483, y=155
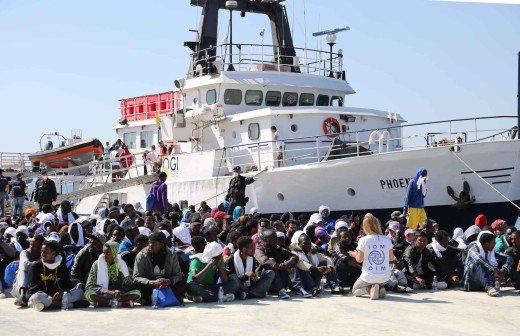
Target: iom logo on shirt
x=376, y=258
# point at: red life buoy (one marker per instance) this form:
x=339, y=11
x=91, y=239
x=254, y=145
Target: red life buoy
x=331, y=127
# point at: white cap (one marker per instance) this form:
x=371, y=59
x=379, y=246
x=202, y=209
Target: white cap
x=253, y=211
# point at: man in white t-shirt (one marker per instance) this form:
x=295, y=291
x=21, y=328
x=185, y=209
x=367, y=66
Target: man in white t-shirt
x=278, y=144
x=153, y=158
x=376, y=253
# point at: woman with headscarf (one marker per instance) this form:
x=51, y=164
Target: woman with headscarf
x=109, y=280
x=499, y=229
x=238, y=212
x=414, y=199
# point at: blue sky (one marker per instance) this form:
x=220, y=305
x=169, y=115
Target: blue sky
x=65, y=64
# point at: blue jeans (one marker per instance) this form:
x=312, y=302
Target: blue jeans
x=2, y=207
x=280, y=281
x=259, y=289
x=347, y=275
x=310, y=280
x=480, y=278
x=18, y=206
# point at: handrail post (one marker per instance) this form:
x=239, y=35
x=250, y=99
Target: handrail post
x=476, y=130
x=357, y=143
x=258, y=153
x=318, y=149
x=283, y=153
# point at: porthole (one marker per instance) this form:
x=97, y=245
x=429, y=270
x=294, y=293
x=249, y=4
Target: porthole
x=280, y=197
x=351, y=192
x=294, y=127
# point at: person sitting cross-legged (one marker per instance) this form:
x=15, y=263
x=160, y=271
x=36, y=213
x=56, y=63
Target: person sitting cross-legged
x=312, y=266
x=49, y=278
x=21, y=282
x=109, y=279
x=243, y=264
x=448, y=264
x=347, y=268
x=156, y=266
x=278, y=259
x=419, y=263
x=483, y=265
x=206, y=267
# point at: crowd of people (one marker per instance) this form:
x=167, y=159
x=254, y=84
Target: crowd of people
x=52, y=258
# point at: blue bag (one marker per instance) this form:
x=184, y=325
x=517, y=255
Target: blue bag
x=150, y=201
x=166, y=298
x=10, y=274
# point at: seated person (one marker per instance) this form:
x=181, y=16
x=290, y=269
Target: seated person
x=21, y=282
x=109, y=279
x=128, y=256
x=231, y=243
x=280, y=260
x=401, y=243
x=206, y=268
x=419, y=263
x=312, y=266
x=347, y=268
x=131, y=231
x=499, y=229
x=483, y=265
x=156, y=266
x=322, y=238
x=514, y=253
x=448, y=265
x=117, y=234
x=86, y=257
x=65, y=213
x=49, y=278
x=77, y=234
x=243, y=264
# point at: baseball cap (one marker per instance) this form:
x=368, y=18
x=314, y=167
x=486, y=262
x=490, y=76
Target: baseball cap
x=396, y=214
x=394, y=226
x=220, y=214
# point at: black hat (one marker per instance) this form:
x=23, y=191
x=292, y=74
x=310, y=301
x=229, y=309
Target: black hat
x=158, y=237
x=237, y=169
x=114, y=208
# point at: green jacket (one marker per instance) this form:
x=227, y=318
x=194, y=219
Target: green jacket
x=500, y=243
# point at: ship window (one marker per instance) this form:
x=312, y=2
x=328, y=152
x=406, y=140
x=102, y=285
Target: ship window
x=129, y=139
x=323, y=100
x=290, y=99
x=146, y=139
x=233, y=97
x=211, y=97
x=254, y=97
x=336, y=101
x=273, y=98
x=306, y=99
x=253, y=131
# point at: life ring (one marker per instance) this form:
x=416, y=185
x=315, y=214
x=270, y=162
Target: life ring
x=331, y=127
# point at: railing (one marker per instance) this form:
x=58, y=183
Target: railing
x=256, y=156
x=18, y=162
x=263, y=57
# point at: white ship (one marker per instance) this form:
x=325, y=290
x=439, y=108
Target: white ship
x=350, y=159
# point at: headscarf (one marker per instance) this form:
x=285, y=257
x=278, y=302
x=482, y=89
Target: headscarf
x=102, y=271
x=81, y=241
x=236, y=212
x=70, y=217
x=29, y=213
x=489, y=256
x=458, y=236
x=214, y=211
x=481, y=221
x=323, y=207
x=211, y=250
x=419, y=181
x=185, y=213
x=314, y=218
x=340, y=224
x=499, y=224
x=144, y=231
x=183, y=233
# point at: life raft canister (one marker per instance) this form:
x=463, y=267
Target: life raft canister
x=331, y=127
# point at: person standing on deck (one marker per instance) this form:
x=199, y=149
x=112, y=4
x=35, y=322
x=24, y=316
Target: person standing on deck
x=45, y=191
x=414, y=199
x=236, y=194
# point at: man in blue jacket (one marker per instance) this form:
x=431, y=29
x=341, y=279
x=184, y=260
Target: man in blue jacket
x=414, y=199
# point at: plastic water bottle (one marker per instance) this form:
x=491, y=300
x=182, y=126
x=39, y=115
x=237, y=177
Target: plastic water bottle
x=65, y=301
x=155, y=300
x=114, y=303
x=497, y=284
x=435, y=283
x=221, y=295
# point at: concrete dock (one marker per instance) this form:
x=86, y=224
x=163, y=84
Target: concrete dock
x=449, y=312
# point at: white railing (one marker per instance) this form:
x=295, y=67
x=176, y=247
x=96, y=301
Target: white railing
x=18, y=162
x=258, y=57
x=312, y=149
